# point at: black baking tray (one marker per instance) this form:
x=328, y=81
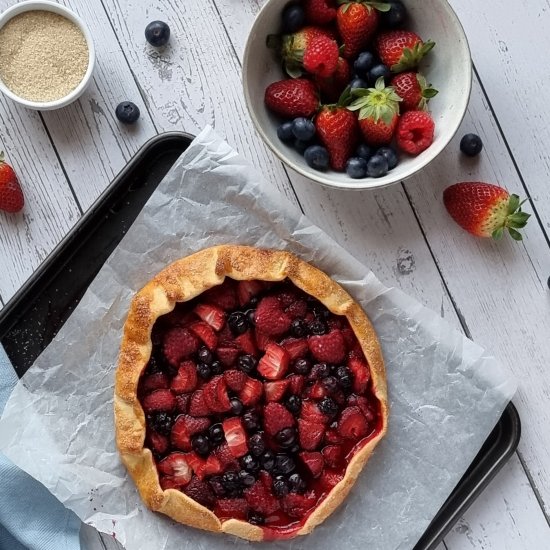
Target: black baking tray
x=33, y=316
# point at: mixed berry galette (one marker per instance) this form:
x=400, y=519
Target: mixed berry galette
x=250, y=392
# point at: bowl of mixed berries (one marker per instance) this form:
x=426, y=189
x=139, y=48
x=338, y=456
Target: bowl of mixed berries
x=357, y=94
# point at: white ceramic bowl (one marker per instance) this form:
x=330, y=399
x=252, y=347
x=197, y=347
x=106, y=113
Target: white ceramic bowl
x=447, y=67
x=45, y=5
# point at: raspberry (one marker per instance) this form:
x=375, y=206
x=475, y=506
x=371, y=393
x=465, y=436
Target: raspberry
x=415, y=132
x=329, y=347
x=157, y=381
x=197, y=406
x=261, y=499
x=310, y=434
x=235, y=379
x=277, y=417
x=200, y=491
x=179, y=344
x=231, y=508
x=270, y=317
x=158, y=401
x=352, y=424
x=297, y=506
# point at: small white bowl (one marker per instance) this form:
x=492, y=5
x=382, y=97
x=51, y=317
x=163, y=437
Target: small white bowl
x=45, y=5
x=448, y=67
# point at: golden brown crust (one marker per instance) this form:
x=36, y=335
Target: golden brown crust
x=181, y=281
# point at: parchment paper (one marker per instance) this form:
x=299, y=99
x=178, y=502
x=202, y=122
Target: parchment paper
x=446, y=394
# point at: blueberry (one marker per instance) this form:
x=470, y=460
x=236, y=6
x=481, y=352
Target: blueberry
x=284, y=132
x=284, y=464
x=246, y=478
x=328, y=406
x=391, y=156
x=397, y=16
x=376, y=72
x=250, y=316
x=249, y=463
x=256, y=444
x=301, y=146
x=343, y=374
x=320, y=371
x=471, y=145
x=267, y=460
x=320, y=311
x=237, y=322
x=358, y=83
x=157, y=33
x=127, y=112
x=216, y=434
x=216, y=484
x=317, y=327
x=294, y=404
x=377, y=166
x=231, y=481
x=204, y=370
x=363, y=63
x=330, y=384
x=251, y=421
x=295, y=448
x=296, y=483
x=302, y=366
x=298, y=328
x=200, y=444
x=293, y=17
x=247, y=363
x=316, y=156
x=364, y=151
x=236, y=406
x=303, y=129
x=286, y=437
x=356, y=167
x=280, y=486
x=205, y=355
x=255, y=518
x=216, y=367
x=161, y=422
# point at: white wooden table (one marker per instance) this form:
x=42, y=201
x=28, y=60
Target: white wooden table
x=495, y=292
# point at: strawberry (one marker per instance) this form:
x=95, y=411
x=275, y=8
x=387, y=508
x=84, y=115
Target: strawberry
x=182, y=402
x=179, y=344
x=224, y=455
x=159, y=401
x=224, y=296
x=274, y=364
x=227, y=355
x=414, y=90
x=11, y=194
x=205, y=332
x=310, y=434
x=337, y=129
x=159, y=443
x=311, y=413
x=378, y=112
x=332, y=455
x=296, y=348
x=332, y=436
x=485, y=210
x=252, y=392
x=329, y=479
x=291, y=98
x=321, y=56
x=157, y=381
x=235, y=436
x=231, y=508
x=235, y=379
x=262, y=339
x=317, y=391
x=296, y=383
x=246, y=290
x=186, y=426
x=352, y=424
x=274, y=391
x=186, y=378
x=276, y=418
x=213, y=315
x=401, y=50
x=261, y=499
x=176, y=466
x=361, y=374
x=329, y=348
x=197, y=464
x=319, y=12
x=271, y=318
x=197, y=405
x=200, y=491
x=246, y=342
x=356, y=22
x=297, y=506
x=215, y=395
x=314, y=462
x=332, y=87
x=415, y=132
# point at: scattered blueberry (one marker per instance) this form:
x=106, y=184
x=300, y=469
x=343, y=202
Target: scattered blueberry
x=251, y=421
x=294, y=404
x=286, y=437
x=302, y=366
x=303, y=129
x=127, y=112
x=316, y=156
x=317, y=327
x=280, y=486
x=391, y=156
x=330, y=384
x=358, y=83
x=377, y=166
x=237, y=322
x=247, y=363
x=216, y=434
x=247, y=479
x=284, y=132
x=200, y=444
x=161, y=422
x=296, y=483
x=328, y=406
x=284, y=464
x=157, y=33
x=217, y=367
x=301, y=146
x=255, y=518
x=376, y=72
x=471, y=145
x=249, y=463
x=364, y=151
x=356, y=167
x=293, y=17
x=205, y=355
x=268, y=460
x=298, y=328
x=236, y=406
x=363, y=63
x=204, y=370
x=256, y=444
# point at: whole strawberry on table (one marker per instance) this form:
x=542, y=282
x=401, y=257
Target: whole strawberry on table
x=352, y=71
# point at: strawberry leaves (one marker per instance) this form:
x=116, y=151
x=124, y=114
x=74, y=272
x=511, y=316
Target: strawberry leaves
x=516, y=219
x=378, y=103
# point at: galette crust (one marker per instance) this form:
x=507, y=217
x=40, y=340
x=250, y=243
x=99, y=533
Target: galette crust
x=181, y=281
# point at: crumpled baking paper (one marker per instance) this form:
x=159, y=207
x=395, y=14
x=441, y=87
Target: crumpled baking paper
x=446, y=395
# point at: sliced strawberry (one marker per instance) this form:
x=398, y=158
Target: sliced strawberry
x=159, y=443
x=186, y=378
x=197, y=464
x=228, y=355
x=186, y=426
x=297, y=506
x=231, y=508
x=317, y=391
x=251, y=392
x=274, y=391
x=168, y=482
x=297, y=310
x=211, y=314
x=213, y=466
x=159, y=401
x=246, y=290
x=225, y=337
x=310, y=434
x=177, y=467
x=224, y=296
x=235, y=379
x=206, y=333
x=224, y=455
x=271, y=318
x=329, y=479
x=329, y=348
x=261, y=499
x=197, y=405
x=262, y=339
x=157, y=381
x=215, y=395
x=277, y=417
x=179, y=344
x=235, y=436
x=353, y=424
x=333, y=437
x=247, y=343
x=274, y=364
x=364, y=404
x=332, y=455
x=297, y=348
x=296, y=383
x=311, y=413
x=314, y=462
x=361, y=374
x=182, y=402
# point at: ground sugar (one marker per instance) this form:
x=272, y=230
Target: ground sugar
x=43, y=55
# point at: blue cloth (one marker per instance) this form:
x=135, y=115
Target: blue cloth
x=31, y=518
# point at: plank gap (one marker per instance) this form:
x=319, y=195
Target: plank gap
x=536, y=492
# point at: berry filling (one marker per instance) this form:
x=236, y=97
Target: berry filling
x=256, y=398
